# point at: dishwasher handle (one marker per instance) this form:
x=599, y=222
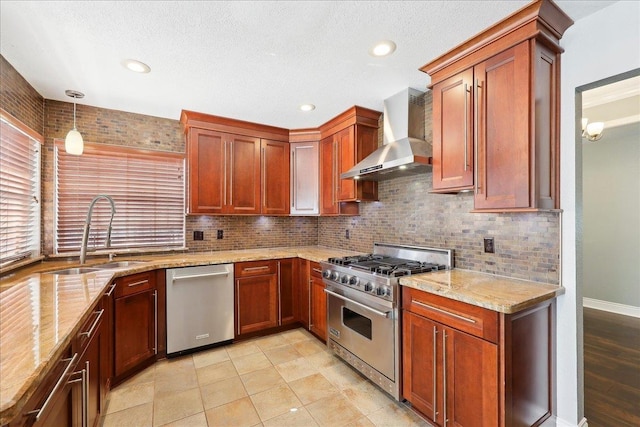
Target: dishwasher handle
x=199, y=276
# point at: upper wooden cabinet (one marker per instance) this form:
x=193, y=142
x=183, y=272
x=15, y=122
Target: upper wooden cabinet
x=304, y=178
x=235, y=167
x=496, y=112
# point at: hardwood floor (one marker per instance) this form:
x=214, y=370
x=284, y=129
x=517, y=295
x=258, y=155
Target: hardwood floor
x=611, y=369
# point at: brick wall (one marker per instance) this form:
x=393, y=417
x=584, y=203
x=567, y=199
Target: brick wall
x=19, y=98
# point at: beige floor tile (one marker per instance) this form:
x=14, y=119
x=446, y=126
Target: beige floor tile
x=276, y=401
x=197, y=420
x=361, y=422
x=146, y=376
x=170, y=366
x=180, y=380
x=322, y=359
x=366, y=397
x=210, y=357
x=297, y=335
x=282, y=354
x=397, y=415
x=251, y=362
x=128, y=396
x=176, y=406
x=261, y=380
x=141, y=415
x=242, y=349
x=299, y=418
x=222, y=392
x=238, y=413
x=271, y=341
x=295, y=369
x=216, y=372
x=309, y=347
x=334, y=411
x=342, y=376
x=312, y=388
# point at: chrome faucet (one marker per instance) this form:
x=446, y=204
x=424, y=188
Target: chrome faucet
x=87, y=225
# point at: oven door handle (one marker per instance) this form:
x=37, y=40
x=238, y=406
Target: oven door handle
x=366, y=307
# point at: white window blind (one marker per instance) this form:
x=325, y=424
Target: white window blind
x=146, y=186
x=19, y=191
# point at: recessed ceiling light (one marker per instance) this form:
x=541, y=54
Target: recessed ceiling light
x=136, y=66
x=307, y=107
x=383, y=48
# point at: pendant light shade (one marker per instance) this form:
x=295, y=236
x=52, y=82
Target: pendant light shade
x=73, y=143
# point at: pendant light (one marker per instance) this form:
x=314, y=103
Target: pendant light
x=73, y=143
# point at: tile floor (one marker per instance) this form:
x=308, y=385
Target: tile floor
x=287, y=379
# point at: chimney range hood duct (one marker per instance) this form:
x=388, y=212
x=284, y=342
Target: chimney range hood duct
x=404, y=152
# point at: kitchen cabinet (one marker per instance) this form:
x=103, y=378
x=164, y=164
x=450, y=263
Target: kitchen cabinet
x=135, y=321
x=329, y=179
x=495, y=113
x=264, y=295
x=318, y=316
x=472, y=366
x=303, y=292
x=304, y=178
x=275, y=177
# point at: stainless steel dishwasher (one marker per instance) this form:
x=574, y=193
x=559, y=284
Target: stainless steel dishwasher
x=199, y=307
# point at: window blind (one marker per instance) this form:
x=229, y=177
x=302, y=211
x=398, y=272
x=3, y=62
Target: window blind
x=146, y=186
x=19, y=191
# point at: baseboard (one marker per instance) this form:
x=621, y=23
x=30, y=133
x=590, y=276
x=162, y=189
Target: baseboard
x=562, y=423
x=613, y=307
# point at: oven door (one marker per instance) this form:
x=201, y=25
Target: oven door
x=363, y=326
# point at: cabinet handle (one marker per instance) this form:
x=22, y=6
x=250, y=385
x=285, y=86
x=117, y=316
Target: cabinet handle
x=317, y=270
x=444, y=375
x=138, y=283
x=155, y=323
x=110, y=291
x=466, y=128
x=85, y=397
x=224, y=180
x=264, y=267
x=199, y=276
x=60, y=383
x=478, y=100
x=94, y=324
x=435, y=372
x=439, y=310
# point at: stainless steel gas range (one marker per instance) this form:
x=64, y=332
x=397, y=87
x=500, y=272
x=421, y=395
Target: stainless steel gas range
x=362, y=306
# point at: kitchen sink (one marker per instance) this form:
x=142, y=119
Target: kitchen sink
x=77, y=270
x=118, y=264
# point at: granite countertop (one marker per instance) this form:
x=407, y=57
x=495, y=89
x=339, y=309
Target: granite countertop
x=498, y=293
x=41, y=313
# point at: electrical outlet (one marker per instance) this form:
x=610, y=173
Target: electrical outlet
x=346, y=234
x=220, y=234
x=489, y=248
x=198, y=235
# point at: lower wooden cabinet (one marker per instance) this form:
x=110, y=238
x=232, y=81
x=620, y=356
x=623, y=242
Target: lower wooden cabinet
x=318, y=320
x=135, y=323
x=303, y=293
x=465, y=365
x=287, y=276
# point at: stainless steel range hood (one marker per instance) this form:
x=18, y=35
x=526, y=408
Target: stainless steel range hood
x=404, y=152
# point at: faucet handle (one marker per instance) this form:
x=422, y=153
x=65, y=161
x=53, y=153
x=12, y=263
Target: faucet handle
x=111, y=255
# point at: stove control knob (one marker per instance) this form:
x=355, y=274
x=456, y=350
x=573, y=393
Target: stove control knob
x=344, y=279
x=326, y=274
x=334, y=276
x=382, y=291
x=354, y=281
x=368, y=287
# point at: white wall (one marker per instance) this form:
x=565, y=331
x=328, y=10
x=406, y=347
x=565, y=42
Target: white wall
x=598, y=46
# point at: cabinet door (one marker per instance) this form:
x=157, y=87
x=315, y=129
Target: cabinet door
x=304, y=178
x=275, y=177
x=303, y=292
x=288, y=275
x=453, y=133
x=206, y=166
x=134, y=330
x=243, y=179
x=318, y=303
x=420, y=364
x=346, y=160
x=256, y=303
x=94, y=358
x=471, y=381
x=504, y=142
x=328, y=176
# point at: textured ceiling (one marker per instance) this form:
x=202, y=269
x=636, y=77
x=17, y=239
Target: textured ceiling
x=256, y=61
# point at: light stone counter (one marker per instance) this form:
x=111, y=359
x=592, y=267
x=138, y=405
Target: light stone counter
x=498, y=293
x=40, y=313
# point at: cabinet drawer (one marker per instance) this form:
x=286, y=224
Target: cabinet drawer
x=89, y=328
x=255, y=268
x=472, y=319
x=316, y=271
x=133, y=284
